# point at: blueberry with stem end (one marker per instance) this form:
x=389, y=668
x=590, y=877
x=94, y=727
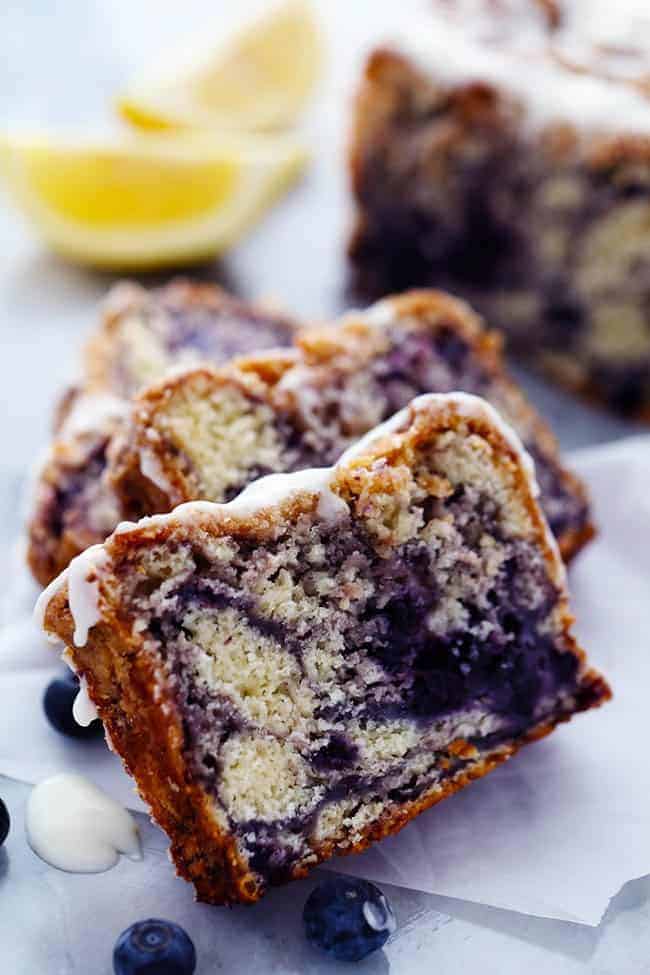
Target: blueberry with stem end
x=348, y=918
x=5, y=822
x=58, y=701
x=154, y=947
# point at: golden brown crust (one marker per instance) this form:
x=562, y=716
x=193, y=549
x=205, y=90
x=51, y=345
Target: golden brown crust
x=269, y=368
x=574, y=540
x=142, y=720
x=48, y=556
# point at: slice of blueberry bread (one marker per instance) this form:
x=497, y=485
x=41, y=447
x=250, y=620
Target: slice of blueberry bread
x=142, y=335
x=206, y=434
x=301, y=671
x=502, y=150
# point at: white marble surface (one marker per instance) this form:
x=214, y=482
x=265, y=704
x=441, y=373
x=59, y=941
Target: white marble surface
x=59, y=64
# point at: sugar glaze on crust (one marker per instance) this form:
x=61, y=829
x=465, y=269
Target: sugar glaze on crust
x=301, y=671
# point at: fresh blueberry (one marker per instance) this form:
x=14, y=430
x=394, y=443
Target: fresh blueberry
x=348, y=918
x=58, y=701
x=154, y=947
x=4, y=822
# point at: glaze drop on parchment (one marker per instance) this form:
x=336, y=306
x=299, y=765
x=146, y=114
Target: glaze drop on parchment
x=75, y=826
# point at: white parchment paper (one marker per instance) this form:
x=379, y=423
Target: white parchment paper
x=558, y=830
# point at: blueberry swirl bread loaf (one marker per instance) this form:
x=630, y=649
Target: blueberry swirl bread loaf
x=299, y=672
x=142, y=335
x=502, y=151
x=207, y=433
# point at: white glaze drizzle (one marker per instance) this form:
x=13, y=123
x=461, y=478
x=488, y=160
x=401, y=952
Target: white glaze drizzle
x=83, y=592
x=83, y=710
x=91, y=411
x=379, y=315
x=75, y=826
x=265, y=492
x=452, y=53
x=151, y=468
x=294, y=378
x=269, y=491
x=464, y=404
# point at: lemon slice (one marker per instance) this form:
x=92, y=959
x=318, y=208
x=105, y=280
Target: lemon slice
x=260, y=78
x=142, y=202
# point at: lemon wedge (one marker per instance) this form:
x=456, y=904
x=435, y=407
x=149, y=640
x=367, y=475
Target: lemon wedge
x=260, y=78
x=141, y=202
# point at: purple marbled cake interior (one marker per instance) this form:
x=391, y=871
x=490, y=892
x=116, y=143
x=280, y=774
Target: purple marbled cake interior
x=418, y=362
x=507, y=664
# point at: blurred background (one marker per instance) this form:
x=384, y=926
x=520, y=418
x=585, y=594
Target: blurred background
x=61, y=66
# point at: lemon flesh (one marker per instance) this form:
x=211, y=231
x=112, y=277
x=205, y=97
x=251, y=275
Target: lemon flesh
x=105, y=189
x=140, y=203
x=259, y=79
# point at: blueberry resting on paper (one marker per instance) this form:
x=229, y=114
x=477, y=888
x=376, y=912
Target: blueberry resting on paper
x=4, y=822
x=58, y=702
x=348, y=918
x=154, y=947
